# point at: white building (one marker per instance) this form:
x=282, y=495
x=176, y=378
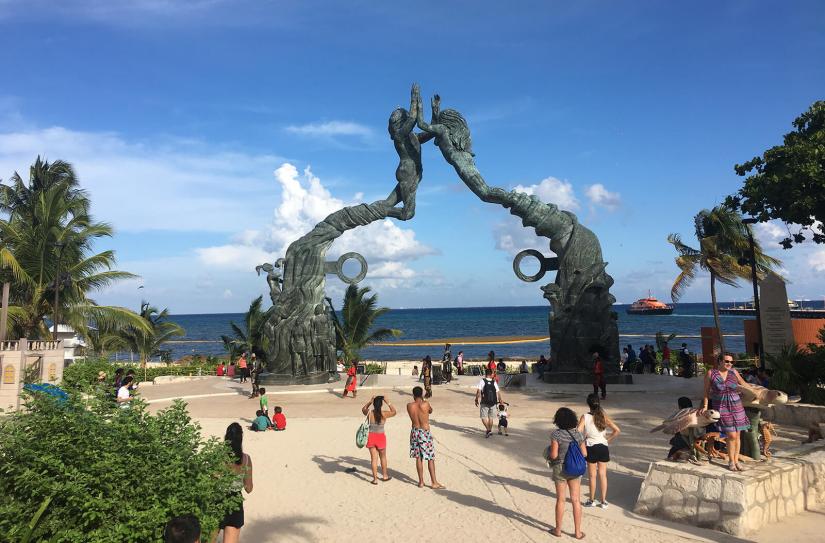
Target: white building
x=73, y=343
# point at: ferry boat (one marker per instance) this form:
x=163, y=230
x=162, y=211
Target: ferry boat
x=649, y=306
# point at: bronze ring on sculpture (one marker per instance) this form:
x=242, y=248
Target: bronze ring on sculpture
x=339, y=268
x=542, y=265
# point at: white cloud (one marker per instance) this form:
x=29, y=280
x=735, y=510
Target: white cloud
x=169, y=184
x=817, y=260
x=392, y=270
x=769, y=232
x=511, y=237
x=553, y=191
x=598, y=195
x=227, y=294
x=304, y=203
x=330, y=129
x=233, y=257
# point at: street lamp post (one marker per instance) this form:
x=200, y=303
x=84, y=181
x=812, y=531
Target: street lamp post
x=57, y=285
x=754, y=280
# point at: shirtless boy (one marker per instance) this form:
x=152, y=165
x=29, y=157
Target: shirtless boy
x=421, y=440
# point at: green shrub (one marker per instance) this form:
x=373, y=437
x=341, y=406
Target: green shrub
x=83, y=374
x=373, y=368
x=112, y=474
x=798, y=371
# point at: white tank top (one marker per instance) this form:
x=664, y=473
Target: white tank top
x=592, y=435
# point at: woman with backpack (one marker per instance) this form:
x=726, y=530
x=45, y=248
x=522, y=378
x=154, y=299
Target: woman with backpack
x=567, y=460
x=594, y=426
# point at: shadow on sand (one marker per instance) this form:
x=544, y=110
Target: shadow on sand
x=275, y=528
x=330, y=465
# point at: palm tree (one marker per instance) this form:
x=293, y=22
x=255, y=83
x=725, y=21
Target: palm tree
x=160, y=330
x=723, y=242
x=105, y=340
x=357, y=318
x=47, y=236
x=251, y=337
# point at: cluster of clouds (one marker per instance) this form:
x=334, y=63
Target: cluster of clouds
x=168, y=184
x=172, y=185
x=304, y=202
x=803, y=258
x=511, y=237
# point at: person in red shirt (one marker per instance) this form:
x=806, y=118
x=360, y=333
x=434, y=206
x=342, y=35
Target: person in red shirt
x=598, y=376
x=491, y=363
x=352, y=380
x=219, y=370
x=278, y=419
x=666, y=360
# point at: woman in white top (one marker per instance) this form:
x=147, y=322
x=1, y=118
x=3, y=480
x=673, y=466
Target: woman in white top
x=123, y=396
x=594, y=426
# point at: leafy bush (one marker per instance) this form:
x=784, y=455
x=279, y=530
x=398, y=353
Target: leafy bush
x=374, y=368
x=83, y=374
x=798, y=371
x=111, y=474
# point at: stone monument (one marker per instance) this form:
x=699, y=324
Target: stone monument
x=774, y=314
x=581, y=319
x=301, y=330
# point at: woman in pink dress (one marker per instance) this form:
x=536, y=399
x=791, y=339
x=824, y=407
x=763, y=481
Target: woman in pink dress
x=722, y=384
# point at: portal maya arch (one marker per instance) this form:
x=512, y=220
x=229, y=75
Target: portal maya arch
x=301, y=329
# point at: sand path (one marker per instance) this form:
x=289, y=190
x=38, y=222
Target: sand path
x=498, y=488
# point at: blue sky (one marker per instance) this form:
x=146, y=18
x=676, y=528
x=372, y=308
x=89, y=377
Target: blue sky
x=212, y=133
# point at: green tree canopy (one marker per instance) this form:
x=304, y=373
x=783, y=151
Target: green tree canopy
x=111, y=474
x=47, y=237
x=354, y=329
x=723, y=241
x=788, y=181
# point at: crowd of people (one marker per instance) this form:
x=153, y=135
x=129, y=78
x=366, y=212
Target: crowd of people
x=649, y=360
x=579, y=445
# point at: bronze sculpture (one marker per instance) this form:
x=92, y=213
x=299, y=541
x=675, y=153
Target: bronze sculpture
x=300, y=332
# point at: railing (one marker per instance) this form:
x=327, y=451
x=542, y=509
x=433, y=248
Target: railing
x=41, y=345
x=11, y=345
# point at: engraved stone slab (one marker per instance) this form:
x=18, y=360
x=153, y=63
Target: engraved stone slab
x=774, y=314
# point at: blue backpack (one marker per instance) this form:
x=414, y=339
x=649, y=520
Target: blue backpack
x=574, y=463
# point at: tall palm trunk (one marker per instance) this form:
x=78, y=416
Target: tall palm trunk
x=716, y=311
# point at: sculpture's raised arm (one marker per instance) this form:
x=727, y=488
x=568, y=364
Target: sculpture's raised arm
x=452, y=136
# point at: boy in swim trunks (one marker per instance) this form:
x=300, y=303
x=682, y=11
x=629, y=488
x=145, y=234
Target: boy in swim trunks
x=421, y=439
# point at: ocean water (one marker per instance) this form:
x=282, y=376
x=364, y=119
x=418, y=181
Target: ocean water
x=203, y=331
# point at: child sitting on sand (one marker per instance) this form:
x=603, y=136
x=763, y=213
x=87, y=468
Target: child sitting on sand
x=261, y=422
x=502, y=418
x=278, y=419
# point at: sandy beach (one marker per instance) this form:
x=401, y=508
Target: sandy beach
x=497, y=488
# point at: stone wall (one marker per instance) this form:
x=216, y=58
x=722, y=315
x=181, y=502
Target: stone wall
x=710, y=496
x=16, y=356
x=795, y=414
